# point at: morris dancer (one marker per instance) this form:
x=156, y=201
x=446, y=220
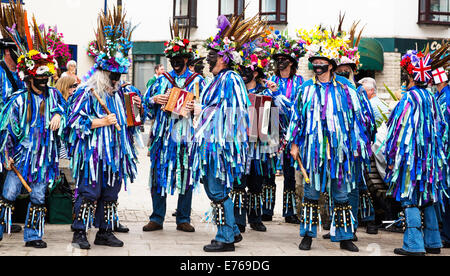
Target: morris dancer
x=101, y=145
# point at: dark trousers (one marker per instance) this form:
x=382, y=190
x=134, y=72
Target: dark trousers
x=2, y=178
x=289, y=186
x=254, y=184
x=101, y=193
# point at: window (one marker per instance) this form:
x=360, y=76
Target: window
x=275, y=11
x=185, y=12
x=434, y=12
x=231, y=7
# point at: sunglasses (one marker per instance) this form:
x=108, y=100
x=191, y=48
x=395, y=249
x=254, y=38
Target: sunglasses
x=75, y=85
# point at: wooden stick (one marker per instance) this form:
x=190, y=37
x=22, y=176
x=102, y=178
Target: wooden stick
x=105, y=108
x=24, y=183
x=305, y=174
x=19, y=175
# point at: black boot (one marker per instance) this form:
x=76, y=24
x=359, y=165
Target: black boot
x=260, y=227
x=238, y=238
x=305, y=245
x=433, y=251
x=107, y=238
x=372, y=228
x=241, y=228
x=36, y=244
x=121, y=229
x=349, y=246
x=216, y=246
x=16, y=228
x=402, y=252
x=80, y=240
x=327, y=236
x=266, y=218
x=292, y=220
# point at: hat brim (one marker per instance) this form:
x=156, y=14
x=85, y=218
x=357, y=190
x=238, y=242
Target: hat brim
x=332, y=62
x=275, y=56
x=7, y=44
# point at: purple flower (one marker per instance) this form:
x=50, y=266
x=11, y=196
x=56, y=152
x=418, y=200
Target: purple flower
x=223, y=23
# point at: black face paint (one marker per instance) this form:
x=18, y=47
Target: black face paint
x=114, y=76
x=247, y=75
x=211, y=59
x=283, y=63
x=344, y=74
x=40, y=84
x=320, y=69
x=177, y=64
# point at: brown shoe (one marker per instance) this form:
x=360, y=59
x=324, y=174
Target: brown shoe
x=152, y=226
x=185, y=227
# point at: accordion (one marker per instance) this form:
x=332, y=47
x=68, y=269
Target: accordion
x=178, y=99
x=133, y=111
x=259, y=113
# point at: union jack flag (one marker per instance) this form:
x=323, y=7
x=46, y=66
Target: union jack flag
x=422, y=69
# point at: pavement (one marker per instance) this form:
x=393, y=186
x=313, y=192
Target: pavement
x=281, y=239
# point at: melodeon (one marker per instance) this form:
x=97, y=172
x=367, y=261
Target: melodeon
x=177, y=102
x=134, y=113
x=259, y=113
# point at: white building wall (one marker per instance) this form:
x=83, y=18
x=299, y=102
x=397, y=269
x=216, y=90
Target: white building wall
x=383, y=18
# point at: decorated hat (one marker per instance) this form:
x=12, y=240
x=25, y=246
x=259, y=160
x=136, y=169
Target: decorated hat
x=350, y=55
x=7, y=20
x=179, y=45
x=256, y=56
x=35, y=58
x=425, y=67
x=113, y=43
x=233, y=34
x=283, y=45
x=320, y=44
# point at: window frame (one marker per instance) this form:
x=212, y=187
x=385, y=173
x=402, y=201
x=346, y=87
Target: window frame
x=277, y=14
x=236, y=8
x=428, y=13
x=191, y=17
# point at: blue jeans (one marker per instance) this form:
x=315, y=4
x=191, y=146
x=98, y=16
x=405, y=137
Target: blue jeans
x=354, y=199
x=216, y=192
x=414, y=239
x=11, y=191
x=160, y=205
x=289, y=185
x=101, y=193
x=338, y=196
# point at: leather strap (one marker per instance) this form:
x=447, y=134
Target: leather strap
x=10, y=76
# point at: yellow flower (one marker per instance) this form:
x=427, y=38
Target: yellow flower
x=22, y=57
x=51, y=68
x=33, y=53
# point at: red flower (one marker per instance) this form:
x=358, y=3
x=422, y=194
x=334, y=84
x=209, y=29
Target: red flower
x=176, y=48
x=166, y=43
x=264, y=62
x=411, y=69
x=186, y=41
x=420, y=55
